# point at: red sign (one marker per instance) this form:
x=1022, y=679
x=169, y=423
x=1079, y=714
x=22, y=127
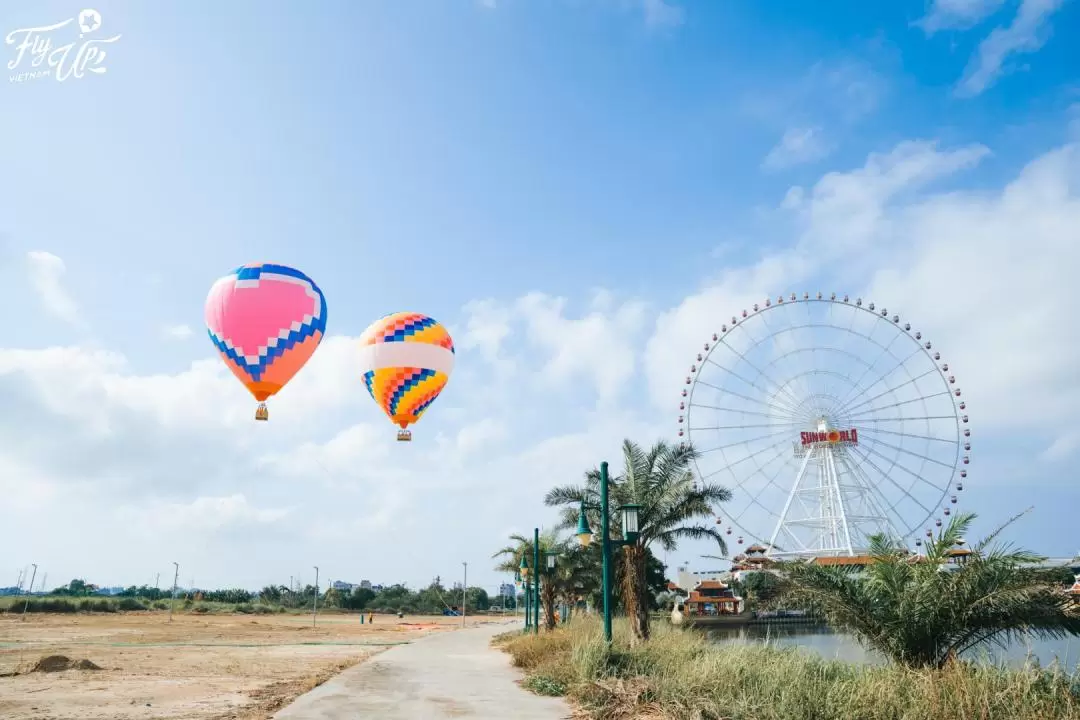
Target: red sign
x=831, y=437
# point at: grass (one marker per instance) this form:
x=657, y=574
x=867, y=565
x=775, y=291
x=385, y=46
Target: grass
x=679, y=675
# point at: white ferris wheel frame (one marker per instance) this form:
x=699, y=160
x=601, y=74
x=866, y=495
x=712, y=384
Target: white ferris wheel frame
x=841, y=506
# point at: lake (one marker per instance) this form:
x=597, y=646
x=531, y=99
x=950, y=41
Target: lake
x=839, y=646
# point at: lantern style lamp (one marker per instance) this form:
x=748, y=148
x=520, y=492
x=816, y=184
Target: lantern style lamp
x=523, y=569
x=630, y=524
x=584, y=532
x=549, y=558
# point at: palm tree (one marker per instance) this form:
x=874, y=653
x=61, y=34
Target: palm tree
x=549, y=542
x=661, y=481
x=925, y=611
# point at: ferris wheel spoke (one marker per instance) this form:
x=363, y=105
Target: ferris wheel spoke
x=748, y=457
x=884, y=507
x=745, y=427
x=748, y=382
x=876, y=431
x=755, y=500
x=773, y=333
x=754, y=367
x=870, y=368
x=733, y=411
x=856, y=389
x=745, y=442
x=901, y=403
x=895, y=484
x=849, y=408
x=917, y=477
x=906, y=419
x=904, y=450
x=759, y=401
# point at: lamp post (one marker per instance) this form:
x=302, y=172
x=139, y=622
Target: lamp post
x=549, y=572
x=536, y=582
x=523, y=569
x=630, y=524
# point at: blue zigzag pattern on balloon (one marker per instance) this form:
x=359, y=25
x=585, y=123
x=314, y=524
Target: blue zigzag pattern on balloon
x=410, y=382
x=317, y=324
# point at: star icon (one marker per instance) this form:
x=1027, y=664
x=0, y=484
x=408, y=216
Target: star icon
x=89, y=20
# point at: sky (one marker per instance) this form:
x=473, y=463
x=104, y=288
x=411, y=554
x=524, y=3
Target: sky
x=582, y=191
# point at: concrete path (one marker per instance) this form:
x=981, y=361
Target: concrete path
x=454, y=674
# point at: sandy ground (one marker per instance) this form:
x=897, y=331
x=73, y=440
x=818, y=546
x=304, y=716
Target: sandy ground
x=200, y=666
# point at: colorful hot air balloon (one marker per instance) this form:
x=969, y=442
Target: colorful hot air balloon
x=266, y=320
x=406, y=360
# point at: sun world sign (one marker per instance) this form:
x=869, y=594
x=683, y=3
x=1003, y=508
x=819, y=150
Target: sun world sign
x=830, y=437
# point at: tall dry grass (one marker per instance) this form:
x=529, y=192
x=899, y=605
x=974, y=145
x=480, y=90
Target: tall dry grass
x=679, y=675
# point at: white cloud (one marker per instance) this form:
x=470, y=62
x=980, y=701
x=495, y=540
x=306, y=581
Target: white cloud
x=201, y=515
x=661, y=13
x=1027, y=33
x=600, y=346
x=958, y=14
x=177, y=332
x=46, y=277
x=796, y=147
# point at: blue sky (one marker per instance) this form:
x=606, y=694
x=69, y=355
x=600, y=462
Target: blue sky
x=454, y=157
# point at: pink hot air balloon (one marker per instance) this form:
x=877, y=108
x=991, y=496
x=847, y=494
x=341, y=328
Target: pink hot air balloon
x=266, y=321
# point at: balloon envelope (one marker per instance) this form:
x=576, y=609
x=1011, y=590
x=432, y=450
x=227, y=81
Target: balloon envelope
x=406, y=359
x=266, y=320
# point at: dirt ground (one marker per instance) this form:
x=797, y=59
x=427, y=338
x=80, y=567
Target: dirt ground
x=209, y=667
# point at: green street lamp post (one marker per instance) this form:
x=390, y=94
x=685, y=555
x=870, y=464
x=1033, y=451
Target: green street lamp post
x=523, y=569
x=549, y=573
x=630, y=525
x=536, y=582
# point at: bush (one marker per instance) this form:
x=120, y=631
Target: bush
x=680, y=675
x=244, y=608
x=129, y=603
x=160, y=605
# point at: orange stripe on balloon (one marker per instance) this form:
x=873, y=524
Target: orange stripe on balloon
x=282, y=368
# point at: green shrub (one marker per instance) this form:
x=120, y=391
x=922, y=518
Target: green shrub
x=129, y=603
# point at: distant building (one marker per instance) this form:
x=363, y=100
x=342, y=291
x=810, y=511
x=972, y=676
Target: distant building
x=376, y=588
x=365, y=585
x=507, y=590
x=343, y=586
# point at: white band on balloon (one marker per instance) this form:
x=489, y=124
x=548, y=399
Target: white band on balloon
x=406, y=354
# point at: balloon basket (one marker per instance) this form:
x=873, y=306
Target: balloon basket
x=404, y=436
x=261, y=413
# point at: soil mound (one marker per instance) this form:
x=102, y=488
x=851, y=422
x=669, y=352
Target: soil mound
x=60, y=663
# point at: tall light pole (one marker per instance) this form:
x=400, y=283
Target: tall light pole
x=176, y=577
x=464, y=587
x=523, y=570
x=630, y=536
x=30, y=590
x=536, y=584
x=315, y=601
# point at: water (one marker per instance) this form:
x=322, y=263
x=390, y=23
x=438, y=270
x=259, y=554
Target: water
x=840, y=646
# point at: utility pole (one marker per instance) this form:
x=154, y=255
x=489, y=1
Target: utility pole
x=315, y=602
x=464, y=588
x=176, y=576
x=27, y=603
x=157, y=581
x=43, y=579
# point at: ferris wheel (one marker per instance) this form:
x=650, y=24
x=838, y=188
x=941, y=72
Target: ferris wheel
x=830, y=420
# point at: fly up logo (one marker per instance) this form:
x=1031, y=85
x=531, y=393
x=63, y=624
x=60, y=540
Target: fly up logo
x=68, y=49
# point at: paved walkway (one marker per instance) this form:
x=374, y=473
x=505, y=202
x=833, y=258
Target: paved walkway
x=447, y=675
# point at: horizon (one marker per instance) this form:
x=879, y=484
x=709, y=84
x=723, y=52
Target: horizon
x=582, y=193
